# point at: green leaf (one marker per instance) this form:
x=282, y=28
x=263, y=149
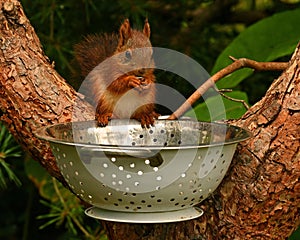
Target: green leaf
x=233, y=110
x=266, y=40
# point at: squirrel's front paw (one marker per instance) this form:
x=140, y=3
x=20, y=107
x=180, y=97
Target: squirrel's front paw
x=138, y=83
x=147, y=120
x=103, y=119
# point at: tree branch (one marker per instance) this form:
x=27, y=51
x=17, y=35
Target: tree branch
x=221, y=92
x=236, y=65
x=258, y=199
x=32, y=93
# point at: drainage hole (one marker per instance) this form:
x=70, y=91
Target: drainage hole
x=132, y=165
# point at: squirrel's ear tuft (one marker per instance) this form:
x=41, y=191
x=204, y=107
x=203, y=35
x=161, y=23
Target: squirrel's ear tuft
x=146, y=29
x=125, y=33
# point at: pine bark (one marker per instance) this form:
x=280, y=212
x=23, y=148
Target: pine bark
x=258, y=199
x=32, y=93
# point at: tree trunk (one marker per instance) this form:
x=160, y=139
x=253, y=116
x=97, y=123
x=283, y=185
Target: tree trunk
x=32, y=93
x=258, y=199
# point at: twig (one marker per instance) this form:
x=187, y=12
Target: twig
x=221, y=91
x=236, y=65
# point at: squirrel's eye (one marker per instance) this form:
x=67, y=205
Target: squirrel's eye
x=128, y=54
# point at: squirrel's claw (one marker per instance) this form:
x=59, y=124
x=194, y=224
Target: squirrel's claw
x=103, y=119
x=147, y=120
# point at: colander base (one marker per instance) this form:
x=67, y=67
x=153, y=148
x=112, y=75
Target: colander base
x=144, y=217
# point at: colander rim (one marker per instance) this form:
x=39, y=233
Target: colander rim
x=41, y=133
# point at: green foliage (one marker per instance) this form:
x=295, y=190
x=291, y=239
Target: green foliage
x=260, y=42
x=266, y=40
x=65, y=209
x=9, y=149
x=174, y=24
x=233, y=109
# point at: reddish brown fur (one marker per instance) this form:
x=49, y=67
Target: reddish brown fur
x=108, y=83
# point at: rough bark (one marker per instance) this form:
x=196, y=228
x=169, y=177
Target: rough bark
x=260, y=196
x=258, y=199
x=32, y=93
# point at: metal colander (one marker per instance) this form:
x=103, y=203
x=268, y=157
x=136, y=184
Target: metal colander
x=134, y=174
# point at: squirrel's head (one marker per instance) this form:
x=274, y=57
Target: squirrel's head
x=134, y=46
x=131, y=38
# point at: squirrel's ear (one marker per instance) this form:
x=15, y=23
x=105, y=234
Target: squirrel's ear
x=146, y=29
x=125, y=33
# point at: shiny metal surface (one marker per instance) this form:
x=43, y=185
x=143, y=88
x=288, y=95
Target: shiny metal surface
x=152, y=174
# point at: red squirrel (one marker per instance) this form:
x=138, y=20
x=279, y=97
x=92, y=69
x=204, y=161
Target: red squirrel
x=119, y=74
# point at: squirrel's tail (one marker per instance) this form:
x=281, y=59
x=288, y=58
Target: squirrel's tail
x=91, y=51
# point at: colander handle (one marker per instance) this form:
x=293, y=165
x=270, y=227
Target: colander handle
x=143, y=153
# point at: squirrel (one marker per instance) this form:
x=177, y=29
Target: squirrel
x=119, y=74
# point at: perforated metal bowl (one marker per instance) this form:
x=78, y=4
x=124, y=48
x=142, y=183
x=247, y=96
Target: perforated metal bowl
x=132, y=174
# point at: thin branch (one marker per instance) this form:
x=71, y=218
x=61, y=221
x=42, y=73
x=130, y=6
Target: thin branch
x=221, y=92
x=236, y=65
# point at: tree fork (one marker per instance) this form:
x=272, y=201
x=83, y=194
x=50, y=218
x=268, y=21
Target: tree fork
x=259, y=197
